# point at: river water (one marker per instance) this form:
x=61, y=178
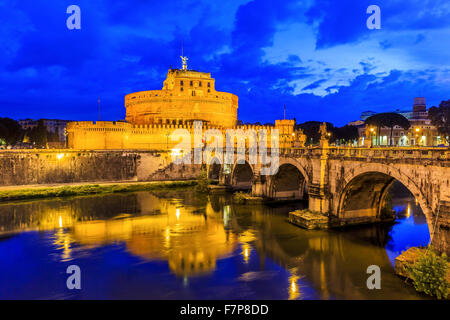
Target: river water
x=181, y=245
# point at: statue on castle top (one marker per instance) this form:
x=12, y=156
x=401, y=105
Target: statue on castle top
x=184, y=62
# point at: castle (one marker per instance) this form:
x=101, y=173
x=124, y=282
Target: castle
x=151, y=116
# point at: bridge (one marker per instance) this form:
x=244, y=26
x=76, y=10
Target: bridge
x=350, y=184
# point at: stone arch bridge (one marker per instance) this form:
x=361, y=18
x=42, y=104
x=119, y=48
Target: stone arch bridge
x=350, y=184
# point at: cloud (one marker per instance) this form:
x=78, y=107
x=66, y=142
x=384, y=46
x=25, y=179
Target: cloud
x=48, y=71
x=314, y=85
x=340, y=22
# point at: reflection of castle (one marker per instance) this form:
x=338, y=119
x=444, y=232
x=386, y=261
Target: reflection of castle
x=151, y=116
x=190, y=242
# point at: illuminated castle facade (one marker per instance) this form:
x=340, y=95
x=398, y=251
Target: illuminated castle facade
x=186, y=96
x=151, y=116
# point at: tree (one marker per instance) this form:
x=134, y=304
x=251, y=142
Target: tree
x=10, y=131
x=311, y=130
x=38, y=135
x=345, y=134
x=440, y=118
x=388, y=120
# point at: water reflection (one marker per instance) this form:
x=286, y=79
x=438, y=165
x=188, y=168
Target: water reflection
x=215, y=248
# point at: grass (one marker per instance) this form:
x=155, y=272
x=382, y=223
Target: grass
x=80, y=190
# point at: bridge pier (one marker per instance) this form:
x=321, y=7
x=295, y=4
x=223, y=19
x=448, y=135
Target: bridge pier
x=440, y=237
x=259, y=184
x=318, y=199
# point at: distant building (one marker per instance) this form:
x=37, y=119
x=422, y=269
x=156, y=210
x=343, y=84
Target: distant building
x=52, y=125
x=27, y=124
x=421, y=132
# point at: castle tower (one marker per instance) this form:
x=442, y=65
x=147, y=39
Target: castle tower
x=187, y=95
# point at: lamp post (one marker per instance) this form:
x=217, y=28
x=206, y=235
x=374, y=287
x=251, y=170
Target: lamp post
x=417, y=136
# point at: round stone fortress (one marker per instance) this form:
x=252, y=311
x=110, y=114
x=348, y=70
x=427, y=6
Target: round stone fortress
x=186, y=96
x=151, y=116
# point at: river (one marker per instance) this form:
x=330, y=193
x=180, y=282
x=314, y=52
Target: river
x=180, y=245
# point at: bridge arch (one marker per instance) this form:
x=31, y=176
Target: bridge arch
x=214, y=168
x=242, y=176
x=300, y=166
x=365, y=188
x=289, y=182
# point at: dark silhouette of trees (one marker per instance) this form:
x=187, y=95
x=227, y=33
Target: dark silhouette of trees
x=440, y=118
x=10, y=131
x=388, y=120
x=311, y=130
x=38, y=135
x=345, y=134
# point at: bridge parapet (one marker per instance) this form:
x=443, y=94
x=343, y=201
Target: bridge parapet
x=395, y=153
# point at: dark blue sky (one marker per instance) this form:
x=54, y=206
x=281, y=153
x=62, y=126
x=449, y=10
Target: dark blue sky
x=317, y=57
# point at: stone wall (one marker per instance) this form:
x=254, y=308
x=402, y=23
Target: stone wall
x=24, y=167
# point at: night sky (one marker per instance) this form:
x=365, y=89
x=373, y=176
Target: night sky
x=317, y=57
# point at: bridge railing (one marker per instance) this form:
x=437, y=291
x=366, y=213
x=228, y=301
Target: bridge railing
x=431, y=153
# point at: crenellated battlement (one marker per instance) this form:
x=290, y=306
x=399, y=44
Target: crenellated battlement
x=100, y=135
x=108, y=125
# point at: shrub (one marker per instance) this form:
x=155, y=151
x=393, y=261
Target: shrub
x=202, y=182
x=239, y=197
x=429, y=272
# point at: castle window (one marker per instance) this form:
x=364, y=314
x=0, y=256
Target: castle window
x=181, y=89
x=209, y=90
x=209, y=84
x=192, y=83
x=181, y=82
x=193, y=93
x=200, y=84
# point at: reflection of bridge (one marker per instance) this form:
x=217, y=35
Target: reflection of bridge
x=351, y=184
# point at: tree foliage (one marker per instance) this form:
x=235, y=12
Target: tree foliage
x=202, y=182
x=345, y=134
x=10, y=131
x=388, y=120
x=440, y=117
x=429, y=274
x=38, y=135
x=311, y=130
x=338, y=134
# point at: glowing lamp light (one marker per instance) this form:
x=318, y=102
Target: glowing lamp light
x=293, y=287
x=246, y=252
x=59, y=156
x=176, y=152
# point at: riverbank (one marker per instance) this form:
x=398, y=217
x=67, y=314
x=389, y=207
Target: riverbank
x=26, y=192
